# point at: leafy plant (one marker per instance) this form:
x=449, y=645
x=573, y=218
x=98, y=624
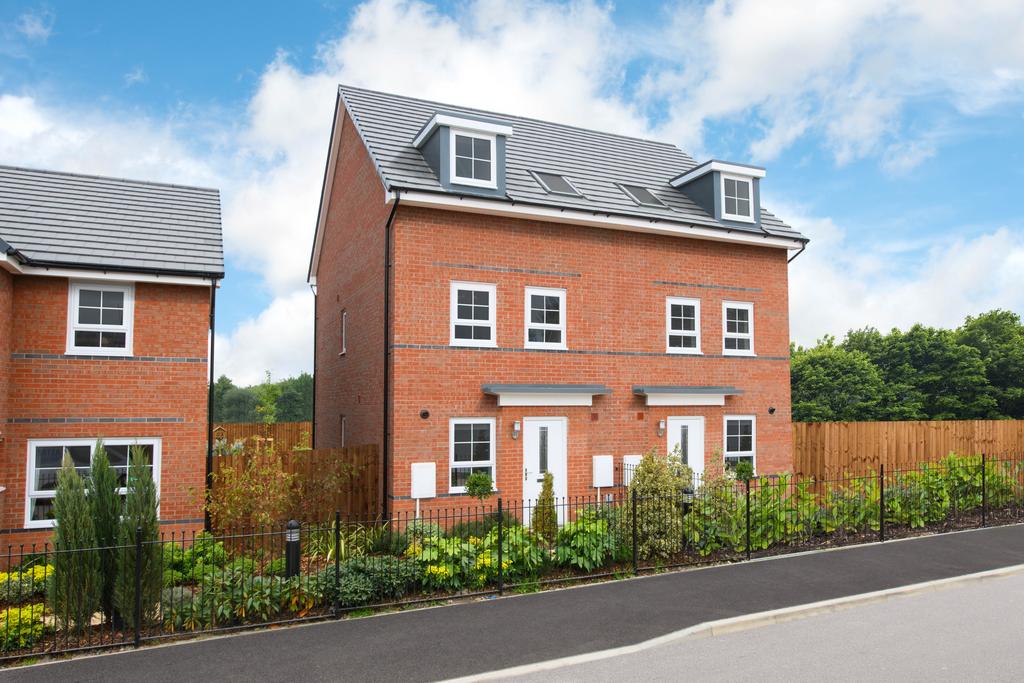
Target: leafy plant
x=445, y=563
x=106, y=506
x=24, y=583
x=77, y=584
x=22, y=627
x=257, y=492
x=521, y=556
x=659, y=512
x=140, y=524
x=544, y=521
x=368, y=580
x=479, y=486
x=585, y=543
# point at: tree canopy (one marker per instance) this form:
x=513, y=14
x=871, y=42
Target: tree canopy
x=925, y=373
x=287, y=400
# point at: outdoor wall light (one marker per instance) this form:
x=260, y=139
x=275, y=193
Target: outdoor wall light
x=771, y=410
x=516, y=428
x=661, y=428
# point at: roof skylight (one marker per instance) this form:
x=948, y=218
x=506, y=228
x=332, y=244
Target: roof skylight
x=555, y=184
x=641, y=195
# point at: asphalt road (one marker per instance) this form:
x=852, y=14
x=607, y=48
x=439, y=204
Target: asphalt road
x=471, y=638
x=967, y=632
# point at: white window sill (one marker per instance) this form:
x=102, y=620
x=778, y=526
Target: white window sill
x=741, y=219
x=684, y=352
x=40, y=524
x=99, y=351
x=469, y=343
x=547, y=347
x=472, y=182
x=737, y=353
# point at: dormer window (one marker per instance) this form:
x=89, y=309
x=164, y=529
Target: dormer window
x=473, y=159
x=642, y=196
x=736, y=194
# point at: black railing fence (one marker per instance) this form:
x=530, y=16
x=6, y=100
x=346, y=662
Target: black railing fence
x=52, y=600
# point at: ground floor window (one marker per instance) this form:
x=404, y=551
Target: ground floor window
x=471, y=448
x=45, y=457
x=740, y=439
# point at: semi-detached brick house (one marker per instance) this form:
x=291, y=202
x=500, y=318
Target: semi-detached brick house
x=106, y=306
x=500, y=294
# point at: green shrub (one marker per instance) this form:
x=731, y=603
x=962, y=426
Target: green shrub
x=586, y=543
x=22, y=627
x=521, y=556
x=369, y=580
x=205, y=556
x=24, y=583
x=481, y=526
x=544, y=521
x=659, y=509
x=139, y=524
x=479, y=486
x=716, y=520
x=106, y=507
x=444, y=563
x=276, y=567
x=172, y=578
x=77, y=585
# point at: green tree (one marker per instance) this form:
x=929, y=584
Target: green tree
x=295, y=404
x=238, y=405
x=139, y=516
x=998, y=337
x=267, y=395
x=830, y=383
x=544, y=521
x=220, y=389
x=76, y=586
x=105, y=507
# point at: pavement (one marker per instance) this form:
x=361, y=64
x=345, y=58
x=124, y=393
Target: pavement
x=473, y=638
x=969, y=631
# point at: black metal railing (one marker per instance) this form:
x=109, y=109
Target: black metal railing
x=50, y=599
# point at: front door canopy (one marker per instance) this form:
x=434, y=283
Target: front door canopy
x=545, y=394
x=663, y=395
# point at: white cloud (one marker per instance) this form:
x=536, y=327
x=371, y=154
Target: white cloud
x=279, y=339
x=135, y=76
x=36, y=26
x=836, y=285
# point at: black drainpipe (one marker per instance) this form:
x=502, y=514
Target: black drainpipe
x=386, y=504
x=209, y=408
x=802, y=247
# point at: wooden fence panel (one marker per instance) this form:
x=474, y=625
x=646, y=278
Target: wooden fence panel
x=358, y=499
x=823, y=449
x=286, y=435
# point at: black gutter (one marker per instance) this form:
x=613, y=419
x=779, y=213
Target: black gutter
x=209, y=409
x=215, y=275
x=793, y=257
x=387, y=352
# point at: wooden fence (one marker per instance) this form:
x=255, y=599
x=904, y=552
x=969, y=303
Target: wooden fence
x=286, y=435
x=823, y=449
x=359, y=497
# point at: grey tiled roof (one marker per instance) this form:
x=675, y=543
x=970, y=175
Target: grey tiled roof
x=593, y=161
x=80, y=221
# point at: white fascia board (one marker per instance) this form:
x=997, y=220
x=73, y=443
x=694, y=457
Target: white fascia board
x=589, y=218
x=686, y=399
x=118, y=276
x=471, y=125
x=9, y=264
x=544, y=399
x=721, y=166
x=327, y=188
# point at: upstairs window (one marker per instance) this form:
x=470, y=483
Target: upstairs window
x=740, y=440
x=545, y=318
x=100, y=319
x=555, y=184
x=472, y=314
x=473, y=159
x=682, y=325
x=737, y=329
x=737, y=198
x=642, y=196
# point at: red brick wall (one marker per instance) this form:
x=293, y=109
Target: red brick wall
x=171, y=324
x=6, y=303
x=614, y=304
x=351, y=278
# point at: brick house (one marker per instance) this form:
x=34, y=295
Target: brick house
x=506, y=295
x=106, y=309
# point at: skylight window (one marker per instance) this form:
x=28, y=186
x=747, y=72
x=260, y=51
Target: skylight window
x=641, y=195
x=555, y=184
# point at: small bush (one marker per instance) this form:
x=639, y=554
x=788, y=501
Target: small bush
x=445, y=563
x=659, y=508
x=585, y=543
x=139, y=524
x=368, y=580
x=22, y=627
x=544, y=521
x=24, y=583
x=276, y=567
x=521, y=556
x=479, y=486
x=482, y=526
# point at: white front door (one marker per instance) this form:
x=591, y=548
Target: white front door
x=687, y=434
x=544, y=450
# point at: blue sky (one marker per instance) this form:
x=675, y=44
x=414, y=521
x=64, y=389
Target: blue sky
x=893, y=133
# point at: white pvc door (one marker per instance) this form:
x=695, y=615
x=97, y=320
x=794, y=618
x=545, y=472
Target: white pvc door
x=687, y=434
x=544, y=450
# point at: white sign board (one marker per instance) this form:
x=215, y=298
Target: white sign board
x=424, y=480
x=604, y=471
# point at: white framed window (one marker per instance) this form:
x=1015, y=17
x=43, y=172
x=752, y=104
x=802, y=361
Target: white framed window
x=737, y=328
x=473, y=159
x=740, y=440
x=682, y=325
x=46, y=456
x=473, y=314
x=545, y=318
x=471, y=450
x=100, y=319
x=738, y=198
x=344, y=333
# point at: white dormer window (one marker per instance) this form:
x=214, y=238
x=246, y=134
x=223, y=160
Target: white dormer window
x=737, y=198
x=472, y=161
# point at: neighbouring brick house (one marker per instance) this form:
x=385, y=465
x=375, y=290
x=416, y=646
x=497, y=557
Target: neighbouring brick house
x=501, y=294
x=106, y=307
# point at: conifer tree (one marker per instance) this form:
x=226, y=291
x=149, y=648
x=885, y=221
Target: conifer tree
x=77, y=585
